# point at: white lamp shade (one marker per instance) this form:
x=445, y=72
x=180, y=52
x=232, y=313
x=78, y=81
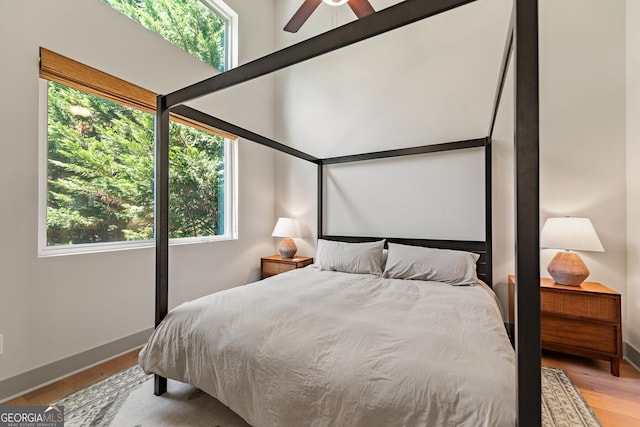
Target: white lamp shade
x=286, y=227
x=570, y=233
x=335, y=2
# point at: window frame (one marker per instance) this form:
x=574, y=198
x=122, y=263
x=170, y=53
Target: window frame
x=230, y=17
x=57, y=69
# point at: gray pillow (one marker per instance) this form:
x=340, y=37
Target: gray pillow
x=438, y=265
x=362, y=258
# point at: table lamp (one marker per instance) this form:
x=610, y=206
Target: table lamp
x=569, y=234
x=287, y=228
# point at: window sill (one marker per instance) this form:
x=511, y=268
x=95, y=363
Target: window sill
x=92, y=248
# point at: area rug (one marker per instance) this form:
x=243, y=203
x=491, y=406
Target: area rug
x=126, y=400
x=562, y=403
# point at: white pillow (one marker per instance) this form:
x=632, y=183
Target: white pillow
x=363, y=258
x=438, y=265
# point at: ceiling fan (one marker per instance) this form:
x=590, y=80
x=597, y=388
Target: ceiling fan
x=360, y=7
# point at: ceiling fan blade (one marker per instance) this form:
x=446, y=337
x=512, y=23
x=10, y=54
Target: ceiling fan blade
x=361, y=8
x=301, y=15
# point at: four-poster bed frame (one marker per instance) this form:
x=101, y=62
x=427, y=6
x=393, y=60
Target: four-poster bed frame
x=522, y=41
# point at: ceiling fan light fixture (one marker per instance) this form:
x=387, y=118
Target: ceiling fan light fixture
x=336, y=2
x=361, y=8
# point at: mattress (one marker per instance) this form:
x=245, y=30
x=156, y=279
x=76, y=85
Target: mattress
x=324, y=348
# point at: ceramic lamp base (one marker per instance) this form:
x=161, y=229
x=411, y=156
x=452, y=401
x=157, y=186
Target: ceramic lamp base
x=567, y=268
x=287, y=248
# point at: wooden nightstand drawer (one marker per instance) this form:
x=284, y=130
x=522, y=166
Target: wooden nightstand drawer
x=600, y=337
x=272, y=268
x=275, y=264
x=579, y=305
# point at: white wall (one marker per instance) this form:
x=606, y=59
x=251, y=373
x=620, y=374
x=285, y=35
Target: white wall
x=296, y=190
x=632, y=308
x=582, y=140
x=400, y=89
x=52, y=308
x=582, y=143
x=430, y=82
x=582, y=127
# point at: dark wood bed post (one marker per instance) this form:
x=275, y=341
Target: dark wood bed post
x=161, y=218
x=522, y=38
x=488, y=206
x=527, y=212
x=320, y=207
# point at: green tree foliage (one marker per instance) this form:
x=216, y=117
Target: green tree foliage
x=100, y=173
x=188, y=24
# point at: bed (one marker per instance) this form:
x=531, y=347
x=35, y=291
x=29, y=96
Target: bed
x=520, y=50
x=348, y=342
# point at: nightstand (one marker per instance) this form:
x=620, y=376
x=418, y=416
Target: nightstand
x=275, y=264
x=581, y=320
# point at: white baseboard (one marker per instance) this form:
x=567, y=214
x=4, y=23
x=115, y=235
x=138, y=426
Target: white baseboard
x=20, y=384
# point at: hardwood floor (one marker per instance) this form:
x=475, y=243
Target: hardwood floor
x=615, y=400
x=66, y=386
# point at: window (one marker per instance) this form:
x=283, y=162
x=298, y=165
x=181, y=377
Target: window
x=97, y=168
x=206, y=29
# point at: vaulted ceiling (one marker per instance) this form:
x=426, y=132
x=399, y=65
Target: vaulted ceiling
x=432, y=81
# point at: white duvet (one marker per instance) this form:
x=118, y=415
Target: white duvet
x=319, y=348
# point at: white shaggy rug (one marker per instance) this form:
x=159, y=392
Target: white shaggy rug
x=127, y=400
